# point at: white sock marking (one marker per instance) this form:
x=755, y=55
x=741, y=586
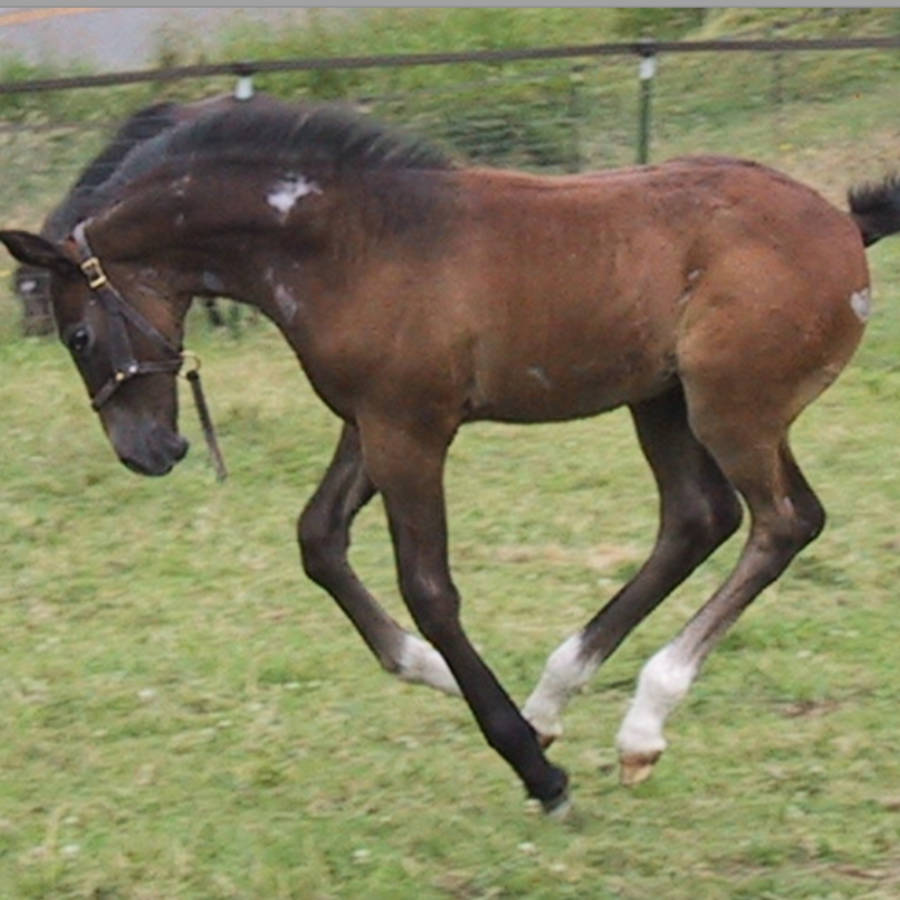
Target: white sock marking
x=420, y=663
x=564, y=674
x=663, y=683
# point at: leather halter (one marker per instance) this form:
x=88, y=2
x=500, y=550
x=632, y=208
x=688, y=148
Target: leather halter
x=125, y=365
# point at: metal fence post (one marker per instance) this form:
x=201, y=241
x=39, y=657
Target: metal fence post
x=244, y=90
x=646, y=72
x=576, y=111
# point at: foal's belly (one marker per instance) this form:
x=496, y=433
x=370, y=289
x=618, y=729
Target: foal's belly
x=545, y=352
x=542, y=389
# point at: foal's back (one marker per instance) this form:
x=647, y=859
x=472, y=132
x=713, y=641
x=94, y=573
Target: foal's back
x=591, y=291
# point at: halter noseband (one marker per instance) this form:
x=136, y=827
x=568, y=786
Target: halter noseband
x=125, y=365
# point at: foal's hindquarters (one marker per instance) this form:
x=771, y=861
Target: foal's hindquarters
x=766, y=328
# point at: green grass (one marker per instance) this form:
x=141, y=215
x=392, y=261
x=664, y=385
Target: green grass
x=185, y=715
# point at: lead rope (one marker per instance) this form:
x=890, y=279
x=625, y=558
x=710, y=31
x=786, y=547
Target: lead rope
x=209, y=431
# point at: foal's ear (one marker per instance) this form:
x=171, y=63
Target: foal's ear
x=32, y=248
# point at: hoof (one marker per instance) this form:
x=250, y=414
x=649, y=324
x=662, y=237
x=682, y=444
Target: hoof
x=546, y=740
x=555, y=794
x=637, y=767
x=562, y=811
x=559, y=808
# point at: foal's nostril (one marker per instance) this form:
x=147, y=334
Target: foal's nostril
x=134, y=465
x=181, y=448
x=172, y=448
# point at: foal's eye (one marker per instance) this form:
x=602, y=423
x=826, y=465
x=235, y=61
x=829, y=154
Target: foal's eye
x=79, y=340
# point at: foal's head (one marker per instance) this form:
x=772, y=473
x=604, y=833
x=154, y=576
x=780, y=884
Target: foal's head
x=184, y=213
x=139, y=414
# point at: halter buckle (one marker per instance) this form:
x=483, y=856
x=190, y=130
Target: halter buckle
x=191, y=361
x=94, y=271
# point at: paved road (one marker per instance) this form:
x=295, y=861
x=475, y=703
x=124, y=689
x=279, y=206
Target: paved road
x=119, y=38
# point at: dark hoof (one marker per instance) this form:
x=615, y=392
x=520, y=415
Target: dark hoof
x=559, y=807
x=557, y=795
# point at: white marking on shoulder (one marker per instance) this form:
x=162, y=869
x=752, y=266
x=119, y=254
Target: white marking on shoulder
x=861, y=303
x=420, y=663
x=179, y=187
x=286, y=193
x=287, y=302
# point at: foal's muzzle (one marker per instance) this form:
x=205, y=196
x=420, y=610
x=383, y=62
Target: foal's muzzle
x=154, y=453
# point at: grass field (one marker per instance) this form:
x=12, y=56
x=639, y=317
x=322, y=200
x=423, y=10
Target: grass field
x=186, y=716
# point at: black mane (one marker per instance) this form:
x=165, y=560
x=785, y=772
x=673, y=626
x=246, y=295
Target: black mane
x=141, y=126
x=145, y=124
x=329, y=137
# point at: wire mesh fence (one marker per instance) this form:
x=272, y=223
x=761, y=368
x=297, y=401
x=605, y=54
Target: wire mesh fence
x=792, y=104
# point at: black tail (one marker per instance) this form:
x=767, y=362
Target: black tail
x=876, y=209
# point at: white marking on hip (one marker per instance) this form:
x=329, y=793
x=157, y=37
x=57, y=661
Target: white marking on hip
x=420, y=663
x=861, y=303
x=565, y=673
x=663, y=683
x=286, y=193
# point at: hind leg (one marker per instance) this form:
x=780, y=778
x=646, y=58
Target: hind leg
x=785, y=516
x=698, y=511
x=758, y=341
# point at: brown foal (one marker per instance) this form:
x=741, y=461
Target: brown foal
x=713, y=297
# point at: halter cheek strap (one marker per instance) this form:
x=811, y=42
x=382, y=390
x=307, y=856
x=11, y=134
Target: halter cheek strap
x=123, y=361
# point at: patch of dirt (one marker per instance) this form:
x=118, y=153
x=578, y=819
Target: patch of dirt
x=809, y=708
x=600, y=558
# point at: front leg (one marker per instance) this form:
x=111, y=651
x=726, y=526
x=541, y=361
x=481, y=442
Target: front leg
x=407, y=465
x=324, y=536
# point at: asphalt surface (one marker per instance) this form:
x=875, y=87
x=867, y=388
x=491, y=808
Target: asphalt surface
x=115, y=39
